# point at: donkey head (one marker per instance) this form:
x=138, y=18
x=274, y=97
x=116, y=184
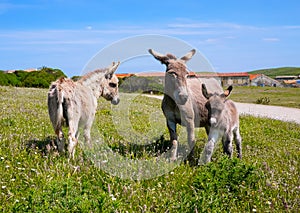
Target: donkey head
x=110, y=84
x=176, y=75
x=215, y=104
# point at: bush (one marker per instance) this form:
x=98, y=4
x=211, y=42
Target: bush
x=225, y=184
x=263, y=100
x=39, y=79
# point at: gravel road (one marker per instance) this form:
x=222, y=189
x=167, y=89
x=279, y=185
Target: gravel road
x=258, y=110
x=273, y=112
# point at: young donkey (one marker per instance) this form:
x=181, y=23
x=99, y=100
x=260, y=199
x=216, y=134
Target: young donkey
x=224, y=122
x=183, y=102
x=76, y=103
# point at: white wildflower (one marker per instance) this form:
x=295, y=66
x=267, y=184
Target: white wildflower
x=113, y=197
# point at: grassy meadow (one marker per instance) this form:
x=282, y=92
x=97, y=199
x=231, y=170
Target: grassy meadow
x=280, y=71
x=34, y=178
x=288, y=97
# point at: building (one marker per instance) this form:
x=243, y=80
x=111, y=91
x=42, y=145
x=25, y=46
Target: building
x=226, y=79
x=263, y=80
x=286, y=77
x=124, y=75
x=292, y=83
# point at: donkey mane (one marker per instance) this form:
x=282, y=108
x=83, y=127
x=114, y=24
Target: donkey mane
x=91, y=76
x=94, y=81
x=177, y=66
x=171, y=56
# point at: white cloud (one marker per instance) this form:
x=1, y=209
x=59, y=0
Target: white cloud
x=89, y=27
x=292, y=27
x=210, y=37
x=5, y=7
x=271, y=39
x=212, y=40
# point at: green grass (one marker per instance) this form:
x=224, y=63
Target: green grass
x=36, y=179
x=288, y=97
x=273, y=72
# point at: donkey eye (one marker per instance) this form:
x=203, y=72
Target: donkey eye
x=113, y=85
x=173, y=73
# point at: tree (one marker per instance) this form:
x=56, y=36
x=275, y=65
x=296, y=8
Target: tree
x=41, y=78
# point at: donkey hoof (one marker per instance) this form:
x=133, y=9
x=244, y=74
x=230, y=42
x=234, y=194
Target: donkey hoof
x=172, y=159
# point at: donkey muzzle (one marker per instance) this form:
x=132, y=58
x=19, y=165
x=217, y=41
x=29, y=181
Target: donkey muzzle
x=115, y=100
x=213, y=121
x=181, y=96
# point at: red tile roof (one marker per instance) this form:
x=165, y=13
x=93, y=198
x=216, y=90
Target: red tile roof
x=253, y=76
x=123, y=75
x=207, y=75
x=233, y=74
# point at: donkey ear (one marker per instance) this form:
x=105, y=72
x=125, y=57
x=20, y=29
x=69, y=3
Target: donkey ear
x=228, y=91
x=204, y=92
x=110, y=70
x=189, y=55
x=162, y=58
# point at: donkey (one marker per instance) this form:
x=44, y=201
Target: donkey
x=224, y=121
x=183, y=102
x=76, y=103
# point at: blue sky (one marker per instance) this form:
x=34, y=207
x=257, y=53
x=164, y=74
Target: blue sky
x=233, y=35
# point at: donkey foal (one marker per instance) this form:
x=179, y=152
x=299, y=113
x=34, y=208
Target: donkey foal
x=76, y=103
x=224, y=122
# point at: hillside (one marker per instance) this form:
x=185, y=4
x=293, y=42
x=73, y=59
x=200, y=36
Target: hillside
x=273, y=72
x=41, y=78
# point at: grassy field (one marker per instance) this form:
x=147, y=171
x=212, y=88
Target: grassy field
x=34, y=178
x=281, y=71
x=288, y=97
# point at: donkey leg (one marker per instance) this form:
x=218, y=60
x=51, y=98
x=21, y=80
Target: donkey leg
x=87, y=129
x=72, y=144
x=173, y=137
x=227, y=143
x=191, y=139
x=207, y=127
x=72, y=138
x=60, y=141
x=209, y=147
x=87, y=135
x=238, y=142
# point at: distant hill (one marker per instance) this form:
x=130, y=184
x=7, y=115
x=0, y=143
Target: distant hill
x=273, y=72
x=41, y=78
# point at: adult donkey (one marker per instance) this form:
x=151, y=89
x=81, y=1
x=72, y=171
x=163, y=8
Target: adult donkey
x=183, y=102
x=76, y=103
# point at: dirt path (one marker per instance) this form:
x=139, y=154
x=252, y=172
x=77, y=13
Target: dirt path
x=273, y=112
x=257, y=110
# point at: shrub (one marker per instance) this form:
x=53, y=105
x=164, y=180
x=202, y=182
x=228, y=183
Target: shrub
x=263, y=100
